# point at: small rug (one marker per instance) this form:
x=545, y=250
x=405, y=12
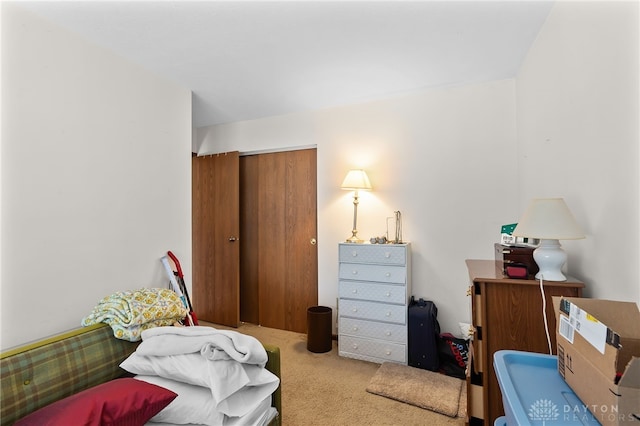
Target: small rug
x=422, y=388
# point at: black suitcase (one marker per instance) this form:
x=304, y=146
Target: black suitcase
x=424, y=330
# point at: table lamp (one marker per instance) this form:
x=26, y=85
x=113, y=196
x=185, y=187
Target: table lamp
x=550, y=220
x=354, y=181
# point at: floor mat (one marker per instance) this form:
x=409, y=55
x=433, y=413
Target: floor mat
x=422, y=388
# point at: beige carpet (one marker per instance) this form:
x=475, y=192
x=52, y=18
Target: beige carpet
x=422, y=388
x=320, y=389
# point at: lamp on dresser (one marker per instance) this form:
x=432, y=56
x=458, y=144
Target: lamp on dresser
x=356, y=180
x=550, y=220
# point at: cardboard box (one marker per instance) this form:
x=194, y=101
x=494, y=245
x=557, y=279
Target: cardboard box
x=599, y=356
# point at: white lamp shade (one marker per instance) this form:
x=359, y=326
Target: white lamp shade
x=356, y=180
x=548, y=218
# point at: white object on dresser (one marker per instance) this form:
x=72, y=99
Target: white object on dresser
x=374, y=290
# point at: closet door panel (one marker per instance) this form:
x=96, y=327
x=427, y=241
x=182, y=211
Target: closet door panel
x=215, y=238
x=249, y=277
x=300, y=246
x=288, y=258
x=272, y=235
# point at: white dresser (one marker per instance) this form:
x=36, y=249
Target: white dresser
x=374, y=291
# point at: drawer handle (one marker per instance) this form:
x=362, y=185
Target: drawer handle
x=388, y=274
x=355, y=346
x=355, y=291
x=355, y=328
x=388, y=294
x=388, y=333
x=388, y=314
x=354, y=272
x=388, y=352
x=354, y=254
x=354, y=310
x=387, y=255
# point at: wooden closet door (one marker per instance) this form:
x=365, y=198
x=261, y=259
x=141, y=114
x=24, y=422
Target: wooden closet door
x=286, y=247
x=216, y=245
x=249, y=253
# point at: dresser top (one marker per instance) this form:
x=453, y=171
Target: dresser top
x=491, y=271
x=406, y=243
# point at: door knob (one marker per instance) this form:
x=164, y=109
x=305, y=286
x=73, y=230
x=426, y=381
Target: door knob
x=232, y=239
x=313, y=241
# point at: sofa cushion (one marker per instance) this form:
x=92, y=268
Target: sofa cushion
x=37, y=374
x=120, y=402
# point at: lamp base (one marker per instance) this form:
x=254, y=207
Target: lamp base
x=550, y=258
x=354, y=240
x=354, y=231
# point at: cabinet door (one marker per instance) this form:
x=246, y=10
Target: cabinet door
x=514, y=320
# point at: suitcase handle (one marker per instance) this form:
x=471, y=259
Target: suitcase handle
x=421, y=302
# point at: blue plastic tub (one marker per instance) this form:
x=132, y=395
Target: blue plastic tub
x=533, y=393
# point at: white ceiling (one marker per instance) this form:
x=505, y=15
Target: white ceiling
x=250, y=59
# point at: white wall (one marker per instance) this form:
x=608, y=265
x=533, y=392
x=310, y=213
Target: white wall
x=578, y=136
x=444, y=158
x=460, y=162
x=96, y=177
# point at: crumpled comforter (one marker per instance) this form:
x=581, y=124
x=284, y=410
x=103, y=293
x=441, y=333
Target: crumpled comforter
x=227, y=362
x=129, y=313
x=211, y=343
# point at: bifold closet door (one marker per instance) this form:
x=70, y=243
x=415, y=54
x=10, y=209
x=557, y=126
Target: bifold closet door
x=215, y=234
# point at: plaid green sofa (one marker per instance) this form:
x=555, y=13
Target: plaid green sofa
x=40, y=373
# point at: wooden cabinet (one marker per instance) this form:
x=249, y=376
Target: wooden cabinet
x=374, y=290
x=506, y=314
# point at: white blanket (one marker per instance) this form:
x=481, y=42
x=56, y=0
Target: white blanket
x=229, y=363
x=213, y=344
x=260, y=416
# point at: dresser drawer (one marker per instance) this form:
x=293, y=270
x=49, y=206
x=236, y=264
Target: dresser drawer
x=382, y=331
x=373, y=311
x=372, y=350
x=384, y=254
x=388, y=293
x=380, y=273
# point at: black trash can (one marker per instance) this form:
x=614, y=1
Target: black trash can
x=319, y=329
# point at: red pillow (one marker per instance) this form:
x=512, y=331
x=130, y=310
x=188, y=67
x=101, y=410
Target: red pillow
x=120, y=402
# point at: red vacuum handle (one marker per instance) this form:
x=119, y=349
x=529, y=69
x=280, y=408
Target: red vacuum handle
x=175, y=260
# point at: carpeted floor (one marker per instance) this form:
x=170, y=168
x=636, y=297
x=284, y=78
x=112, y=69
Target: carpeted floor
x=326, y=389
